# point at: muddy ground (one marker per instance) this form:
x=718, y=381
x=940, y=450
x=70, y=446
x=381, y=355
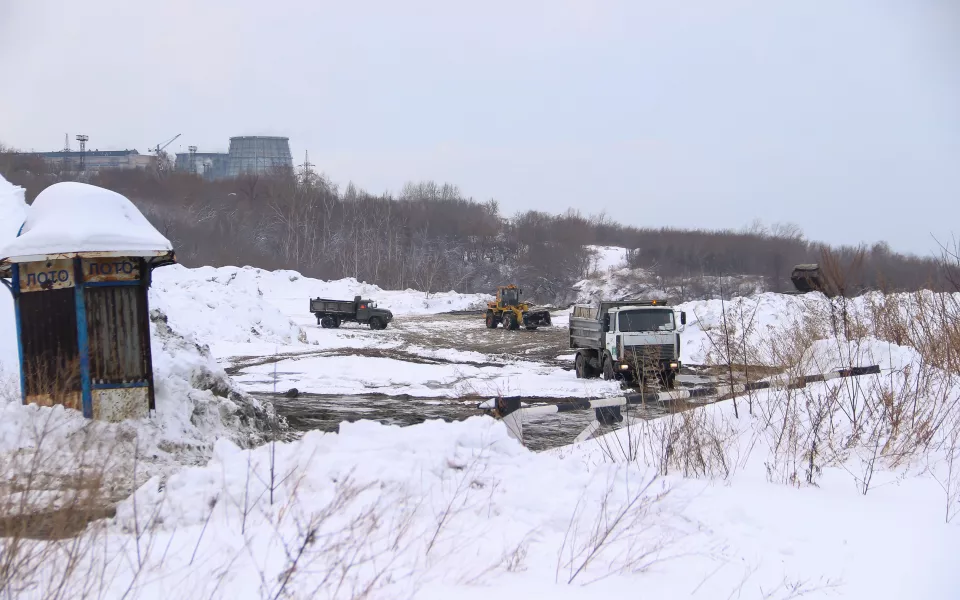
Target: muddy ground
x=461, y=332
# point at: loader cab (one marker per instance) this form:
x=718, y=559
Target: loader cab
x=510, y=296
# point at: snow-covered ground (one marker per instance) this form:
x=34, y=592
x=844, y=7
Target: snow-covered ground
x=442, y=510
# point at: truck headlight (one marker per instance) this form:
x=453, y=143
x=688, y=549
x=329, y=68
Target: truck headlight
x=673, y=365
x=624, y=367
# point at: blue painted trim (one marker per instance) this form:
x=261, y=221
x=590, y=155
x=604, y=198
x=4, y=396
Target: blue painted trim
x=22, y=225
x=117, y=386
x=95, y=284
x=15, y=290
x=83, y=340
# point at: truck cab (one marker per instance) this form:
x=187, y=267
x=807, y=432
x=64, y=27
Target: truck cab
x=632, y=341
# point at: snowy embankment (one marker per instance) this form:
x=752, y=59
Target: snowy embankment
x=756, y=324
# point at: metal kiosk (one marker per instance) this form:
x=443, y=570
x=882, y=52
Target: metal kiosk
x=82, y=317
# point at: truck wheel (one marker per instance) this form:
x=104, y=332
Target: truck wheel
x=582, y=368
x=510, y=321
x=491, y=320
x=608, y=373
x=671, y=380
x=337, y=321
x=376, y=323
x=327, y=322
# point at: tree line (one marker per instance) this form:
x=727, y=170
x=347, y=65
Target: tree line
x=433, y=238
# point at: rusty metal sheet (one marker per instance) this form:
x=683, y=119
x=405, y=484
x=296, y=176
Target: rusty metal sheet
x=48, y=275
x=116, y=335
x=111, y=269
x=51, y=355
x=121, y=403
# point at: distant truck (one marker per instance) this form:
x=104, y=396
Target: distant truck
x=331, y=313
x=629, y=340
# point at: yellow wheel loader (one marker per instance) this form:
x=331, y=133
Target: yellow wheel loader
x=511, y=312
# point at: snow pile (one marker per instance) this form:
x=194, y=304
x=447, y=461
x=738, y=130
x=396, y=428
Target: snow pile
x=72, y=217
x=13, y=210
x=761, y=316
x=233, y=304
x=197, y=403
x=221, y=305
x=290, y=291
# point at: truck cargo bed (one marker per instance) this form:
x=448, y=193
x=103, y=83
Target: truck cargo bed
x=324, y=305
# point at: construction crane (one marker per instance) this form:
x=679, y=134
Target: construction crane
x=161, y=147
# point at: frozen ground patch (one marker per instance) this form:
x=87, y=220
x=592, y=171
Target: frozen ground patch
x=349, y=375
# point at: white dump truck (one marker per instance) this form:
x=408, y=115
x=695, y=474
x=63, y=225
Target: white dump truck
x=633, y=341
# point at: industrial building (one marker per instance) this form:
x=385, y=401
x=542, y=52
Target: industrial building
x=94, y=160
x=247, y=155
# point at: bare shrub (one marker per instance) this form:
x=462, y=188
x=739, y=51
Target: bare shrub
x=623, y=535
x=695, y=443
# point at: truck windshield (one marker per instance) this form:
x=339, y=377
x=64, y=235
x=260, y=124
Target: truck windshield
x=509, y=297
x=646, y=320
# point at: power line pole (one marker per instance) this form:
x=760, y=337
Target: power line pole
x=307, y=173
x=65, y=163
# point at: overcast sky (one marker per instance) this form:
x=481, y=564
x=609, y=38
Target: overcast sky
x=842, y=116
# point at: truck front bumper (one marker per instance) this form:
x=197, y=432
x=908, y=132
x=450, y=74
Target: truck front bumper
x=665, y=365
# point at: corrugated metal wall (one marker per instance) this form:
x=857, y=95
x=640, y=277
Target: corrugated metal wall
x=117, y=336
x=51, y=356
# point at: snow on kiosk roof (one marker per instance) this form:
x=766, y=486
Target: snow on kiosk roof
x=70, y=219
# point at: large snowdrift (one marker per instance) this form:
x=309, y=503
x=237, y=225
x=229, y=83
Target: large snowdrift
x=233, y=304
x=13, y=210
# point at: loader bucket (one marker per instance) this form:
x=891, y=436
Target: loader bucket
x=809, y=278
x=537, y=317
